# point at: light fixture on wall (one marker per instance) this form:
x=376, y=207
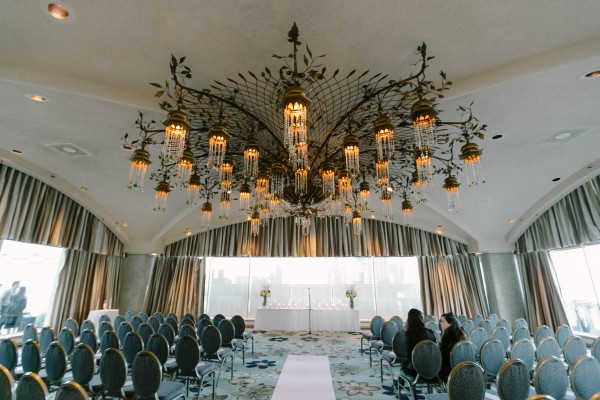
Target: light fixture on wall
x=345, y=136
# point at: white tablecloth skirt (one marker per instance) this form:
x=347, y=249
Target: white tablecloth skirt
x=297, y=320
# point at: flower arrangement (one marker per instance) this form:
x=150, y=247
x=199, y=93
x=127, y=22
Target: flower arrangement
x=264, y=293
x=351, y=294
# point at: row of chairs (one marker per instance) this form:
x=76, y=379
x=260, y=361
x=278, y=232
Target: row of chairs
x=32, y=387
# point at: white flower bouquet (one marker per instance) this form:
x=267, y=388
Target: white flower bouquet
x=264, y=293
x=351, y=294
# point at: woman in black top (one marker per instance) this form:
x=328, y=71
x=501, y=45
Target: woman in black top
x=452, y=333
x=416, y=332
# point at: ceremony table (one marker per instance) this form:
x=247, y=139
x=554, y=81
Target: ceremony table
x=297, y=320
x=94, y=316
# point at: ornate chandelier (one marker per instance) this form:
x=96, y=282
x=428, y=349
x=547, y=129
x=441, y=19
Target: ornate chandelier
x=301, y=140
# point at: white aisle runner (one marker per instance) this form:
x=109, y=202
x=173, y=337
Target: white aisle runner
x=305, y=377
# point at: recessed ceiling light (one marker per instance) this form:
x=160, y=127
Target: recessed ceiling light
x=555, y=179
x=563, y=135
x=125, y=224
x=496, y=137
x=67, y=149
x=37, y=97
x=83, y=189
x=16, y=151
x=593, y=74
x=511, y=220
x=58, y=11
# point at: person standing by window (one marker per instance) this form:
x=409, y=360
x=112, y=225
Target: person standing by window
x=14, y=311
x=5, y=299
x=451, y=334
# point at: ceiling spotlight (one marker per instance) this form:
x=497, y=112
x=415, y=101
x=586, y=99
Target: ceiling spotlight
x=38, y=98
x=16, y=151
x=593, y=74
x=511, y=221
x=58, y=11
x=555, y=179
x=124, y=224
x=496, y=137
x=83, y=189
x=563, y=135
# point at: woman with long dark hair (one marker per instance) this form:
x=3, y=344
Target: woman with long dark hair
x=451, y=334
x=416, y=332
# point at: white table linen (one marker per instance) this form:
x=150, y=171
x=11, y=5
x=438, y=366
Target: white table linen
x=297, y=320
x=95, y=315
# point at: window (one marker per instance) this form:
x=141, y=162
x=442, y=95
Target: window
x=385, y=286
x=578, y=275
x=35, y=268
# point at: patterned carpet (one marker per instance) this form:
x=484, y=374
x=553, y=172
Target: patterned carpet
x=353, y=379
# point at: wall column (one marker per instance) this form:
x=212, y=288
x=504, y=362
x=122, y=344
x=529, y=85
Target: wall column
x=135, y=276
x=503, y=285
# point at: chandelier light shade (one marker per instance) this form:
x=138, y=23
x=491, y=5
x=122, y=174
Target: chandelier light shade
x=193, y=188
x=161, y=193
x=471, y=156
x=245, y=197
x=176, y=129
x=297, y=172
x=407, y=211
x=251, y=154
x=224, y=205
x=384, y=136
x=137, y=172
x=184, y=167
x=226, y=174
x=352, y=153
x=356, y=222
x=451, y=186
x=255, y=223
x=206, y=216
x=217, y=145
x=424, y=121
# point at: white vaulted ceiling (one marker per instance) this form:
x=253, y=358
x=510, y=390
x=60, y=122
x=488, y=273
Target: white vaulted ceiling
x=521, y=62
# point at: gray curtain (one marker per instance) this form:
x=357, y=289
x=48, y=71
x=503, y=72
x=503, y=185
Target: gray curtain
x=572, y=221
x=452, y=283
x=84, y=282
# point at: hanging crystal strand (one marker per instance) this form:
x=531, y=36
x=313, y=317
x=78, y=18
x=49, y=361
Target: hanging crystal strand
x=160, y=195
x=176, y=129
x=226, y=174
x=137, y=172
x=384, y=136
x=356, y=222
x=407, y=211
x=255, y=223
x=328, y=178
x=382, y=169
x=352, y=153
x=261, y=187
x=184, y=167
x=471, y=156
x=345, y=185
x=225, y=205
x=244, y=200
x=301, y=181
x=193, y=188
x=251, y=154
x=424, y=165
x=303, y=222
x=424, y=121
x=365, y=194
x=277, y=180
x=217, y=144
x=386, y=203
x=451, y=186
x=348, y=214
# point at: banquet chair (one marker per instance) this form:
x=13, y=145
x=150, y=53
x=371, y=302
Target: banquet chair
x=488, y=326
x=188, y=330
x=562, y=334
x=513, y=380
x=521, y=332
x=104, y=318
x=574, y=348
x=375, y=331
x=135, y=322
x=47, y=336
x=56, y=366
x=113, y=374
x=398, y=355
x=168, y=333
x=547, y=347
x=145, y=331
x=123, y=330
x=89, y=337
x=462, y=351
x=466, y=382
x=478, y=336
x=31, y=387
x=543, y=397
x=109, y=340
x=462, y=318
x=158, y=315
x=128, y=316
x=550, y=378
x=398, y=321
x=435, y=328
x=83, y=366
x=541, y=333
x=505, y=324
x=212, y=350
x=493, y=318
x=203, y=324
x=31, y=359
x=187, y=367
x=476, y=319
x=188, y=316
x=188, y=320
x=217, y=318
x=491, y=358
x=66, y=340
x=105, y=326
x=7, y=384
x=30, y=333
x=132, y=345
x=158, y=345
x=8, y=354
x=468, y=327
x=73, y=326
x=146, y=376
x=427, y=362
x=583, y=377
x=523, y=350
x=143, y=316
x=502, y=335
x=119, y=319
x=87, y=324
x=520, y=322
x=228, y=339
x=240, y=331
x=388, y=331
x=154, y=323
x=173, y=316
x=595, y=351
x=172, y=322
x=71, y=391
x=429, y=318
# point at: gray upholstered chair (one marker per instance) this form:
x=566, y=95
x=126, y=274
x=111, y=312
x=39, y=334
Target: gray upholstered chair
x=145, y=331
x=47, y=336
x=374, y=331
x=188, y=330
x=72, y=324
x=573, y=349
x=388, y=330
x=584, y=374
x=228, y=339
x=468, y=326
x=546, y=348
x=520, y=322
x=189, y=320
x=488, y=326
x=109, y=340
x=89, y=337
x=562, y=334
x=212, y=350
x=398, y=321
x=119, y=319
x=87, y=324
x=104, y=318
x=491, y=358
x=56, y=365
x=513, y=381
x=541, y=333
x=505, y=324
x=8, y=354
x=31, y=357
x=30, y=333
x=146, y=376
x=154, y=323
x=143, y=316
x=173, y=316
x=105, y=326
x=158, y=315
x=466, y=382
x=550, y=378
x=203, y=323
x=7, y=384
x=427, y=362
x=462, y=318
x=522, y=332
x=503, y=336
x=129, y=316
x=462, y=351
x=66, y=340
x=83, y=365
x=172, y=322
x=71, y=391
x=135, y=322
x=596, y=348
x=523, y=350
x=31, y=387
x=476, y=319
x=398, y=355
x=168, y=333
x=132, y=345
x=493, y=319
x=478, y=336
x=435, y=328
x=187, y=356
x=218, y=318
x=124, y=328
x=113, y=373
x=240, y=332
x=158, y=345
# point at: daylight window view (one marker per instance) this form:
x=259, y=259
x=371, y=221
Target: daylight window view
x=27, y=276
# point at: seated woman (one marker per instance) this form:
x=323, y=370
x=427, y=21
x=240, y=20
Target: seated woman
x=451, y=334
x=416, y=332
